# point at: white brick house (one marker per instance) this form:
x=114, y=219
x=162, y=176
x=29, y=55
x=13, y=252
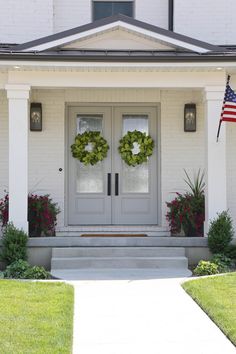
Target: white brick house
x=141, y=68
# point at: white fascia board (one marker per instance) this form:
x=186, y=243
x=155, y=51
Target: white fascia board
x=166, y=39
x=72, y=38
x=9, y=64
x=95, y=31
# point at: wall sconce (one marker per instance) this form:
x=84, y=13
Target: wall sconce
x=190, y=117
x=36, y=117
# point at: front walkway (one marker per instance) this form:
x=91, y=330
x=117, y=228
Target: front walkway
x=148, y=316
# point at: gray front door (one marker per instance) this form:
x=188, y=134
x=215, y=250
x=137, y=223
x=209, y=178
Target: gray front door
x=112, y=192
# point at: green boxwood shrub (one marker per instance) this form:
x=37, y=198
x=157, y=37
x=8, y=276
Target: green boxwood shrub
x=224, y=263
x=36, y=272
x=220, y=233
x=22, y=270
x=206, y=268
x=16, y=270
x=14, y=243
x=231, y=252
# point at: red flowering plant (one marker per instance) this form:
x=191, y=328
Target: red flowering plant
x=187, y=211
x=42, y=214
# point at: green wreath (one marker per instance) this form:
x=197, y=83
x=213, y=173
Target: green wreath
x=89, y=148
x=145, y=146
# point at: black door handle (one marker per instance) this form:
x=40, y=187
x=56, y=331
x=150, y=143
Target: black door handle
x=109, y=184
x=117, y=184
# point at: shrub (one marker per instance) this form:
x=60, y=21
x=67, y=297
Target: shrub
x=36, y=272
x=14, y=243
x=206, y=268
x=187, y=211
x=224, y=263
x=231, y=252
x=22, y=270
x=42, y=214
x=16, y=270
x=220, y=233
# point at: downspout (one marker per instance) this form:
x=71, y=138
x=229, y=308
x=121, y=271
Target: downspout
x=171, y=15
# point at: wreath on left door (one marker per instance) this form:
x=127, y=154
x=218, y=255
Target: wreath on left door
x=90, y=148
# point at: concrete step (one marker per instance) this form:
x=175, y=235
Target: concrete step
x=79, y=233
x=120, y=241
x=119, y=262
x=120, y=274
x=76, y=231
x=69, y=252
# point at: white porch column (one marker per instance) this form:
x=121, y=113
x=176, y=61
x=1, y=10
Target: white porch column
x=215, y=164
x=18, y=96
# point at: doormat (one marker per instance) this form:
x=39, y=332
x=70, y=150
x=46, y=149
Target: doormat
x=113, y=235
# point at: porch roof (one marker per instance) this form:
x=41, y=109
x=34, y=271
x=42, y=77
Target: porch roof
x=108, y=23
x=161, y=46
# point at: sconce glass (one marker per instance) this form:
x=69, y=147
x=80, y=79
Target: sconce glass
x=36, y=119
x=190, y=117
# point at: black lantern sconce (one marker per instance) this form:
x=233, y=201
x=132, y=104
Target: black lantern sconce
x=190, y=117
x=36, y=117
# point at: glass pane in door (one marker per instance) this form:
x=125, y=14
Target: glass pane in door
x=89, y=179
x=135, y=179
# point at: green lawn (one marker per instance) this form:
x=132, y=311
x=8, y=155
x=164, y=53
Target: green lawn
x=217, y=297
x=35, y=317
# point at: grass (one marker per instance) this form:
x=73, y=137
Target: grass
x=217, y=297
x=36, y=317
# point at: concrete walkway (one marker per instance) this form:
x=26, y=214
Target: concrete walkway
x=146, y=316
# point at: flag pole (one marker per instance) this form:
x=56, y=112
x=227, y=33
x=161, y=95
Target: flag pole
x=218, y=132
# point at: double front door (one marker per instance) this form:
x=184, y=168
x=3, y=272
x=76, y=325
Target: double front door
x=111, y=192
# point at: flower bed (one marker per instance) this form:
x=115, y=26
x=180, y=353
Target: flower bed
x=42, y=214
x=187, y=211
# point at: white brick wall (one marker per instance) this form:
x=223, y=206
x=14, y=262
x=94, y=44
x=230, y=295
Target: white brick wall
x=212, y=21
x=25, y=20
x=154, y=12
x=71, y=13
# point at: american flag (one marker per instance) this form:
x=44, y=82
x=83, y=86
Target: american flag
x=229, y=106
x=228, y=113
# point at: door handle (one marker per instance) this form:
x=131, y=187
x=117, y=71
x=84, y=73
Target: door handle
x=116, y=183
x=109, y=184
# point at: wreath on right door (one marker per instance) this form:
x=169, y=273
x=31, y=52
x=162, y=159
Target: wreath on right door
x=135, y=147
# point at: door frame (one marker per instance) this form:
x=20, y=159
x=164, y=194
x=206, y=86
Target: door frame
x=68, y=105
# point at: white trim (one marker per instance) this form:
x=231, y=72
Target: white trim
x=94, y=31
x=215, y=163
x=9, y=64
x=18, y=96
x=117, y=79
x=17, y=91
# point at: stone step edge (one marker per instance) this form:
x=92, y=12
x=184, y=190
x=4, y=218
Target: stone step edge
x=118, y=258
x=60, y=251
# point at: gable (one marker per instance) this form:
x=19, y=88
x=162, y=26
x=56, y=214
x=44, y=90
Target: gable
x=118, y=39
x=137, y=35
